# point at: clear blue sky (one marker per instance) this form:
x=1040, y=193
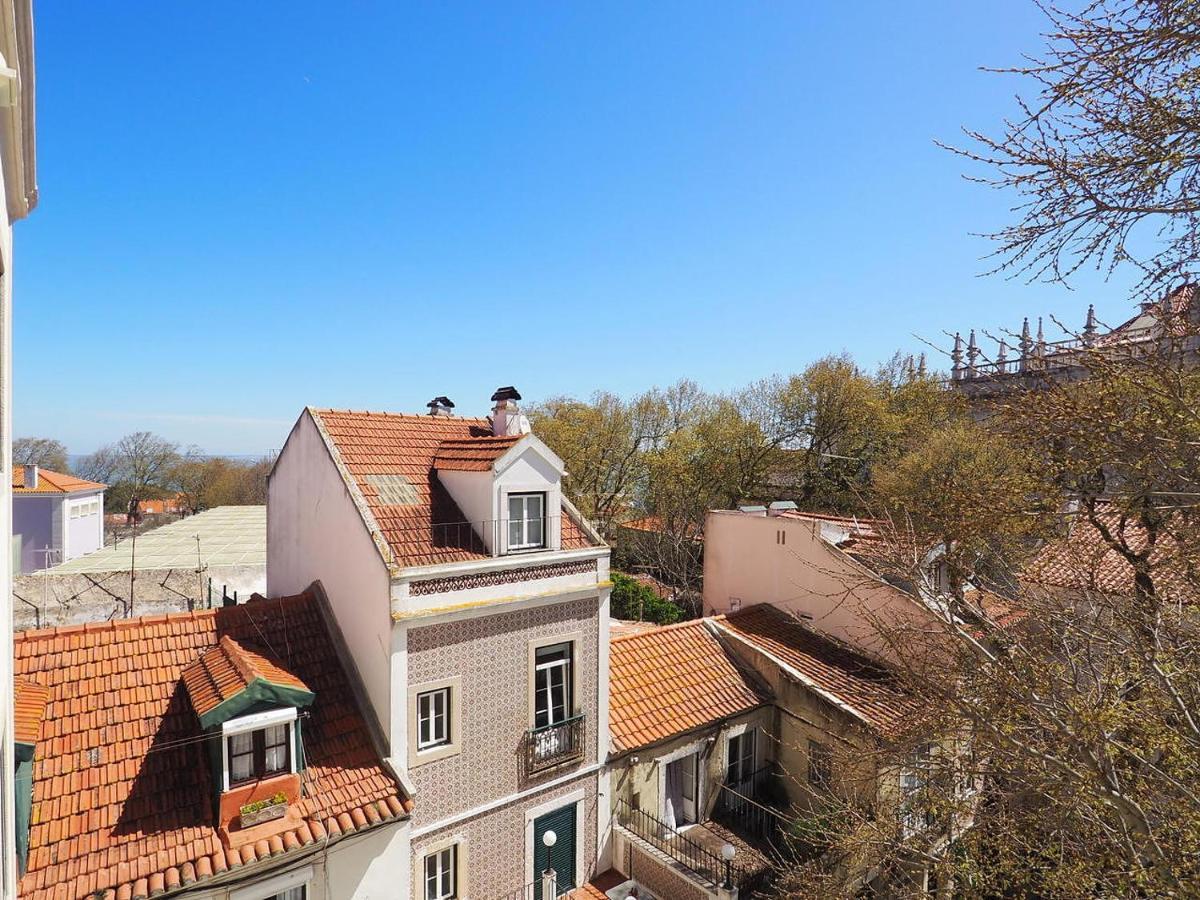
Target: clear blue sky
x=250, y=207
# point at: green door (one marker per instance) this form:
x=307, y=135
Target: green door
x=560, y=857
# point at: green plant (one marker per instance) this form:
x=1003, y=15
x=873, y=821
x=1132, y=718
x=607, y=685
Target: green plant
x=639, y=602
x=251, y=808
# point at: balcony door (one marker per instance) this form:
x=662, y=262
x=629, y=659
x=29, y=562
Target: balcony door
x=552, y=685
x=681, y=785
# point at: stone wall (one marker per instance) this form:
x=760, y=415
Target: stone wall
x=42, y=600
x=656, y=871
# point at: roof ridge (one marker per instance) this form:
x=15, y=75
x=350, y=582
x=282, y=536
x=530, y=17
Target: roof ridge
x=235, y=651
x=659, y=629
x=421, y=417
x=38, y=634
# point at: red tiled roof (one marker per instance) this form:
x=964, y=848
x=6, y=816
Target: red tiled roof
x=853, y=681
x=431, y=528
x=1082, y=560
x=29, y=705
x=672, y=680
x=228, y=669
x=52, y=483
x=472, y=454
x=123, y=799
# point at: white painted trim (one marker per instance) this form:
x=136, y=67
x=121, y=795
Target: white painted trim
x=661, y=762
x=511, y=799
x=242, y=724
x=272, y=886
x=259, y=720
x=536, y=812
x=529, y=442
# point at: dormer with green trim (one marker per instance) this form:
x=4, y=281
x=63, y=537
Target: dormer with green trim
x=248, y=705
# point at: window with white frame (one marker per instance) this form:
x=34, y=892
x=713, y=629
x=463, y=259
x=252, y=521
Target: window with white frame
x=526, y=521
x=258, y=746
x=441, y=874
x=433, y=719
x=552, y=685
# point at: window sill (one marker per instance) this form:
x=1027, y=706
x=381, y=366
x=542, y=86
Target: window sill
x=419, y=758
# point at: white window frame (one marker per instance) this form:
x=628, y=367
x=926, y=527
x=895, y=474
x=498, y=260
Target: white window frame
x=575, y=639
x=438, y=736
x=271, y=887
x=457, y=845
x=258, y=722
x=445, y=862
x=525, y=544
x=418, y=755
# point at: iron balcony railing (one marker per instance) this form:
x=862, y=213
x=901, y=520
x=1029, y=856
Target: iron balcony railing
x=428, y=542
x=677, y=845
x=740, y=806
x=554, y=745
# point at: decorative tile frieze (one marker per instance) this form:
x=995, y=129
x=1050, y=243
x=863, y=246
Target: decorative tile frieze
x=504, y=576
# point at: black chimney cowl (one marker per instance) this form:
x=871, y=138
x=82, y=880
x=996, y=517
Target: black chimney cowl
x=506, y=393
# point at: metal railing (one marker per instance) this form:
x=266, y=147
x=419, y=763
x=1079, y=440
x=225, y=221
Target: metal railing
x=430, y=541
x=553, y=745
x=739, y=806
x=665, y=839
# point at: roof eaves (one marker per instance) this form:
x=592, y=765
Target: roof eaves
x=808, y=682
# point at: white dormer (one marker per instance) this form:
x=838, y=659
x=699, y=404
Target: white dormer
x=509, y=487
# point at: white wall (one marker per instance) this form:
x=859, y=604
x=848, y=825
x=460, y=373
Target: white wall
x=744, y=559
x=472, y=491
x=315, y=532
x=531, y=471
x=86, y=533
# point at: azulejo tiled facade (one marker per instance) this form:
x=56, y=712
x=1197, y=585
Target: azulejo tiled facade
x=491, y=655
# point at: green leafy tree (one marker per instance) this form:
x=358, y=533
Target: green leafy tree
x=634, y=601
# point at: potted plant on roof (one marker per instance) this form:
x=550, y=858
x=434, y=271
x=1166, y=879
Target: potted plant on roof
x=264, y=810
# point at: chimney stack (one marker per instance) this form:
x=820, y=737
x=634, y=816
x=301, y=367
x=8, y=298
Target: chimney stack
x=31, y=476
x=441, y=406
x=506, y=415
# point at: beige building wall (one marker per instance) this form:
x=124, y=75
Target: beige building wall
x=783, y=561
x=641, y=783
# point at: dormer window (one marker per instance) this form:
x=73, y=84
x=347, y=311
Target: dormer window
x=258, y=746
x=526, y=521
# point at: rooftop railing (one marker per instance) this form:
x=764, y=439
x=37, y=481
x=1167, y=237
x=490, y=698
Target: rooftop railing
x=427, y=542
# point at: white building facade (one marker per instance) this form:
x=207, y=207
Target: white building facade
x=474, y=602
x=19, y=185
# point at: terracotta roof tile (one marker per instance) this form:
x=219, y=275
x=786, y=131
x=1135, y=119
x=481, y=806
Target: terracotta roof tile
x=391, y=457
x=1082, y=560
x=52, y=483
x=671, y=680
x=849, y=679
x=29, y=706
x=477, y=454
x=123, y=798
x=228, y=669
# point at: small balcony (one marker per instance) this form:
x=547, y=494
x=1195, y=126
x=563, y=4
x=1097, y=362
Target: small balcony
x=552, y=746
